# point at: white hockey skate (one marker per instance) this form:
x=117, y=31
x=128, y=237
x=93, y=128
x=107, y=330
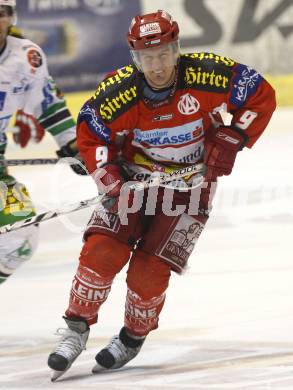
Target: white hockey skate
x=121, y=349
x=72, y=343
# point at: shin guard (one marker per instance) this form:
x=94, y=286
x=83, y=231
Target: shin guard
x=89, y=290
x=142, y=316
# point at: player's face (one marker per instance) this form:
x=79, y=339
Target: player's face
x=5, y=22
x=158, y=66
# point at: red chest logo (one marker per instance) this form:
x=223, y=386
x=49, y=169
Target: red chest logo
x=188, y=105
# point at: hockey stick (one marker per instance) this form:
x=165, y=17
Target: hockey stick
x=47, y=215
x=164, y=179
x=29, y=161
x=198, y=169
x=41, y=161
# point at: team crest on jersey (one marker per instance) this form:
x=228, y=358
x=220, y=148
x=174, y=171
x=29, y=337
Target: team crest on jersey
x=35, y=58
x=188, y=104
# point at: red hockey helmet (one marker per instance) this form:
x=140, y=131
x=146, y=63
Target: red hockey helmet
x=152, y=30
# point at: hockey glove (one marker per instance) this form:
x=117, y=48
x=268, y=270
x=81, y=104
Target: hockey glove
x=221, y=150
x=70, y=150
x=109, y=181
x=27, y=128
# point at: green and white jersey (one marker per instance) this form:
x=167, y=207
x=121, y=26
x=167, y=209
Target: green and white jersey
x=25, y=84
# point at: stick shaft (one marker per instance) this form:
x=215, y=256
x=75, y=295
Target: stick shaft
x=45, y=216
x=29, y=161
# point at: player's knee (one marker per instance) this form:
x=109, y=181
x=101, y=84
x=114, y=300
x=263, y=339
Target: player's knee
x=105, y=255
x=148, y=276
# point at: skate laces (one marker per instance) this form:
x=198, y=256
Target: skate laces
x=71, y=344
x=119, y=350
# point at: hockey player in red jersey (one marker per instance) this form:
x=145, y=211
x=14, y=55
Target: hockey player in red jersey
x=156, y=115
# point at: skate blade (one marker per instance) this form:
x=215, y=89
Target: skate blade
x=56, y=374
x=97, y=368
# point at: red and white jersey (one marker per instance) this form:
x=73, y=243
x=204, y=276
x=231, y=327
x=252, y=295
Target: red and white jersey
x=149, y=133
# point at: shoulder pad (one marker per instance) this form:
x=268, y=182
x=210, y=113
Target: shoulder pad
x=115, y=80
x=207, y=72
x=31, y=55
x=116, y=93
x=210, y=58
x=34, y=56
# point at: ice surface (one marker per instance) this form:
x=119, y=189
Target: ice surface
x=227, y=323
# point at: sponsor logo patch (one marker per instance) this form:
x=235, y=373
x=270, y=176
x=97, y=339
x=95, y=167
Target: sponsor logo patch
x=165, y=117
x=122, y=74
x=227, y=138
x=88, y=114
x=246, y=83
x=34, y=58
x=97, y=221
x=149, y=29
x=169, y=136
x=212, y=57
x=179, y=245
x=202, y=79
x=113, y=105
